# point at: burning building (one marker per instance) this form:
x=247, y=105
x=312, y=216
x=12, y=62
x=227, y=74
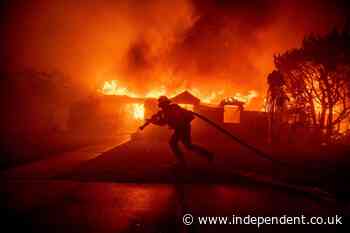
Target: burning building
x=216, y=50
x=117, y=109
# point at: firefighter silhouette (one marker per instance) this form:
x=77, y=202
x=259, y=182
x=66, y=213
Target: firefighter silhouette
x=178, y=119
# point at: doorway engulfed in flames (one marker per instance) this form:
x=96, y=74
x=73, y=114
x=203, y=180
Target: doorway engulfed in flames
x=136, y=111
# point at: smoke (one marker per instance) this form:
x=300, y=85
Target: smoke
x=90, y=40
x=232, y=42
x=203, y=44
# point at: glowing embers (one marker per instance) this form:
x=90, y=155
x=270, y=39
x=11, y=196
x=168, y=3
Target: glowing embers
x=136, y=110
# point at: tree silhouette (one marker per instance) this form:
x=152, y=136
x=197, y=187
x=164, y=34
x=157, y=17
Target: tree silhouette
x=316, y=79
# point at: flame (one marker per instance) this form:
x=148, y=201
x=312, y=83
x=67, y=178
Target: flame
x=112, y=88
x=214, y=97
x=137, y=110
x=245, y=98
x=156, y=93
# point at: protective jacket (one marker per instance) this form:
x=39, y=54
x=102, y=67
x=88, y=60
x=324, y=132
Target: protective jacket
x=174, y=116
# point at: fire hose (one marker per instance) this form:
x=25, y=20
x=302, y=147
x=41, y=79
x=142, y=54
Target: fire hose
x=256, y=150
x=261, y=154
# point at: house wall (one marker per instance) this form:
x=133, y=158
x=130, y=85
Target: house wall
x=252, y=126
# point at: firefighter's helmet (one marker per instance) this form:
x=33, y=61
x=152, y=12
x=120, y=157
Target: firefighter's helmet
x=163, y=101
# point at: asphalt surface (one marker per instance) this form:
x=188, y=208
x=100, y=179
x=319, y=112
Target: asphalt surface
x=134, y=186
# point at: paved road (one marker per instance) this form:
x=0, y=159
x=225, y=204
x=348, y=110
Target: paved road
x=61, y=164
x=134, y=188
x=67, y=206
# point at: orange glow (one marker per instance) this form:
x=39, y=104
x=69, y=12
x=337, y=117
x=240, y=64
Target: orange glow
x=112, y=88
x=187, y=106
x=135, y=44
x=318, y=107
x=156, y=93
x=246, y=98
x=138, y=111
x=212, y=97
x=232, y=114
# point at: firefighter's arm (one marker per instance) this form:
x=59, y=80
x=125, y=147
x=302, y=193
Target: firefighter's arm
x=145, y=124
x=156, y=119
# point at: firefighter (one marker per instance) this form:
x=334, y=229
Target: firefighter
x=179, y=120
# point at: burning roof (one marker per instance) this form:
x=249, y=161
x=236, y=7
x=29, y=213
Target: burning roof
x=186, y=98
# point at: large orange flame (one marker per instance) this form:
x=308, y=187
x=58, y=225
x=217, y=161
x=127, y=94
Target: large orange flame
x=112, y=88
